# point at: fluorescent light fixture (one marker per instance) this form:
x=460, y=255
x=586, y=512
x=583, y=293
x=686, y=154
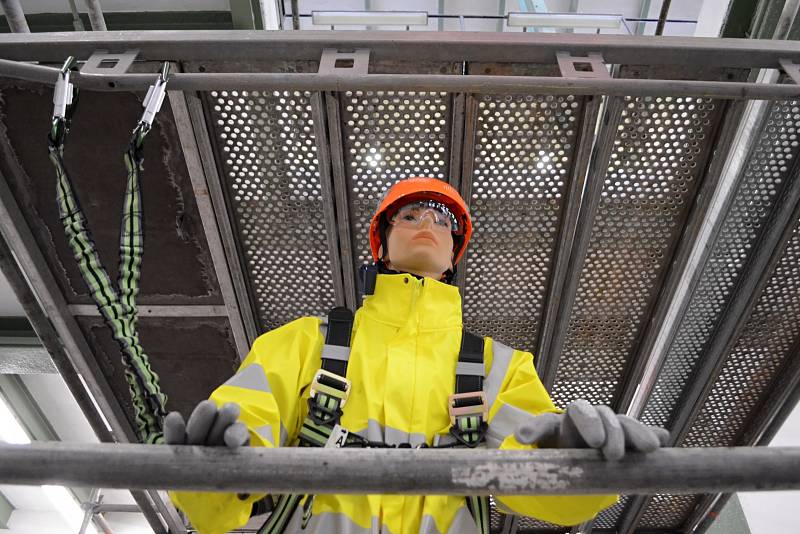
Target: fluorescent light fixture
x=369, y=18
x=565, y=20
x=67, y=507
x=11, y=430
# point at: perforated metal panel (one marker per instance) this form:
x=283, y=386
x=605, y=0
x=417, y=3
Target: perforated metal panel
x=764, y=174
x=658, y=155
x=528, y=524
x=524, y=148
x=768, y=340
x=609, y=517
x=269, y=158
x=667, y=511
x=388, y=136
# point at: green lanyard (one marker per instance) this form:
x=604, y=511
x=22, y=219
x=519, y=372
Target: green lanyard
x=117, y=303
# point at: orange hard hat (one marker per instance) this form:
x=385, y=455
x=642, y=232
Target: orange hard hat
x=421, y=188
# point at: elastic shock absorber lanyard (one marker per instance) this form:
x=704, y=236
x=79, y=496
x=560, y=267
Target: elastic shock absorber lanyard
x=117, y=303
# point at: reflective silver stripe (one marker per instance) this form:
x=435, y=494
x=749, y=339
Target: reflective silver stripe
x=469, y=368
x=463, y=523
x=328, y=523
x=377, y=432
x=336, y=352
x=504, y=423
x=501, y=359
x=251, y=377
x=323, y=326
x=266, y=433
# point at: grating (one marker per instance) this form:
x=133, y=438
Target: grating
x=763, y=177
x=389, y=136
x=609, y=517
x=523, y=154
x=658, y=156
x=772, y=331
x=272, y=180
x=667, y=511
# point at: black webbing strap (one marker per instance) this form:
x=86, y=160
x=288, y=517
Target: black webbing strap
x=323, y=413
x=471, y=353
x=340, y=326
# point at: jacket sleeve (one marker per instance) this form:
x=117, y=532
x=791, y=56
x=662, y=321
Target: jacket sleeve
x=267, y=387
x=515, y=394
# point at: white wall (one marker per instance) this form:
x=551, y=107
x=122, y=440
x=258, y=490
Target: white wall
x=775, y=512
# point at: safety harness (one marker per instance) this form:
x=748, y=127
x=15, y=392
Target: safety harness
x=116, y=302
x=330, y=390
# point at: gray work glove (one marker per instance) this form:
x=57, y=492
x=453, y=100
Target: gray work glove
x=596, y=427
x=207, y=426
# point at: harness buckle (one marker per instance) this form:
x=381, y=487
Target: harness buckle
x=331, y=384
x=63, y=94
x=471, y=403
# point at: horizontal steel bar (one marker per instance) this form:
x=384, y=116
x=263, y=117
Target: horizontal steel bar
x=410, y=471
x=516, y=47
x=410, y=82
x=89, y=310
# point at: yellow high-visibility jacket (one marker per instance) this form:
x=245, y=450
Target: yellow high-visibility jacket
x=404, y=350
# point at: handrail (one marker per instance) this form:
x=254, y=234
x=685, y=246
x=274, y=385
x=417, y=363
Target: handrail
x=401, y=471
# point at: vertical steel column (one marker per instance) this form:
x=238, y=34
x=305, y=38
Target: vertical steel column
x=341, y=189
x=467, y=167
x=580, y=169
x=328, y=196
x=194, y=166
x=224, y=224
x=15, y=16
x=96, y=15
x=548, y=359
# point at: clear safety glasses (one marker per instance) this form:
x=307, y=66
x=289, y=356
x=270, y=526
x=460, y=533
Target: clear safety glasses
x=411, y=215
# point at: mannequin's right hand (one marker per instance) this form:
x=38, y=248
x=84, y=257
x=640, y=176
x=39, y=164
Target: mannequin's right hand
x=207, y=426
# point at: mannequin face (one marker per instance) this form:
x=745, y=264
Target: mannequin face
x=424, y=250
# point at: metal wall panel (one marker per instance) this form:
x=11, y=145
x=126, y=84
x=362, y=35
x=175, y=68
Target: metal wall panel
x=659, y=155
x=388, y=136
x=764, y=174
x=523, y=155
x=267, y=150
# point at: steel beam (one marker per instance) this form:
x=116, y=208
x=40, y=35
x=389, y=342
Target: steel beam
x=223, y=222
x=96, y=15
x=566, y=233
x=341, y=189
x=409, y=472
x=479, y=84
x=470, y=126
x=516, y=47
x=317, y=102
x=90, y=310
x=222, y=268
x=547, y=364
x=15, y=16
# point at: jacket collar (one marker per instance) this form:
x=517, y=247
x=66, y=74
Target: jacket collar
x=403, y=299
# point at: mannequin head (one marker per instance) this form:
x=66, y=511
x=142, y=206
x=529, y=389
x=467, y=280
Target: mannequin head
x=421, y=226
x=424, y=251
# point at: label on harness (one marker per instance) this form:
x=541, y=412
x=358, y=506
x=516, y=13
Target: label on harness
x=338, y=437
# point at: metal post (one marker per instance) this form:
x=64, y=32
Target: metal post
x=407, y=472
x=662, y=17
x=77, y=23
x=296, y=15
x=94, y=497
x=15, y=16
x=96, y=15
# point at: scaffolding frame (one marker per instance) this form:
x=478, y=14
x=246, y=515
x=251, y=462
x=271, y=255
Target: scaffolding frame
x=747, y=94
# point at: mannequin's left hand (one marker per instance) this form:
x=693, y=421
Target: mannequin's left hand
x=596, y=427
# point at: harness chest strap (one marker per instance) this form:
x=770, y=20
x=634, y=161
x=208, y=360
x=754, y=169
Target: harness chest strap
x=329, y=393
